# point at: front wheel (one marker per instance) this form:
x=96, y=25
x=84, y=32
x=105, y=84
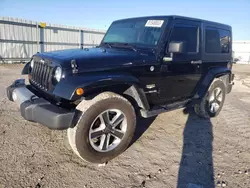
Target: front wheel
x=211, y=104
x=105, y=128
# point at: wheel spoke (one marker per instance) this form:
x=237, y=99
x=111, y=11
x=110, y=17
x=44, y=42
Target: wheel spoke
x=214, y=93
x=212, y=108
x=103, y=138
x=117, y=120
x=117, y=133
x=219, y=93
x=105, y=118
x=96, y=133
x=216, y=107
x=211, y=98
x=218, y=101
x=106, y=142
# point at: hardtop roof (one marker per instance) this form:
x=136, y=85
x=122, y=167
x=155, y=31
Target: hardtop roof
x=178, y=17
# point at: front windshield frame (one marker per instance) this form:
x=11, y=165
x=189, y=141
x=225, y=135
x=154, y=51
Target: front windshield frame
x=136, y=20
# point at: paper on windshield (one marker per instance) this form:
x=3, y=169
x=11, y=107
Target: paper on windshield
x=154, y=23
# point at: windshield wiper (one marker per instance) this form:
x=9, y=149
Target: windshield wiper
x=132, y=46
x=107, y=44
x=125, y=45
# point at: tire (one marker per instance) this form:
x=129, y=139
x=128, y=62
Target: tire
x=203, y=108
x=92, y=111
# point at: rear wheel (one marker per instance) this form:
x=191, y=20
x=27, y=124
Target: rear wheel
x=105, y=128
x=211, y=104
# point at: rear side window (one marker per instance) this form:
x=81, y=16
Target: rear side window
x=187, y=34
x=217, y=40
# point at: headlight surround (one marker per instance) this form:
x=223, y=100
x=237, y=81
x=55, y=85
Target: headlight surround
x=32, y=63
x=58, y=74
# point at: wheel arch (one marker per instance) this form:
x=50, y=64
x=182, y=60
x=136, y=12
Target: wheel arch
x=131, y=91
x=212, y=75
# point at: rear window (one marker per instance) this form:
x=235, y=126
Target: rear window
x=217, y=40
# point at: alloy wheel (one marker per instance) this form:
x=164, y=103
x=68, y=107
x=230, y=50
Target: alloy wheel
x=108, y=130
x=215, y=100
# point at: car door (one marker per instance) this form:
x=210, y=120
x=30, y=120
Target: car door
x=180, y=72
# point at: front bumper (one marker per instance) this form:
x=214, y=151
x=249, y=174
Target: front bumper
x=37, y=109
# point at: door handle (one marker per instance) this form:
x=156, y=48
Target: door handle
x=196, y=62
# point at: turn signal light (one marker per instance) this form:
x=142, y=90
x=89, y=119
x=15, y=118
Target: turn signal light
x=79, y=91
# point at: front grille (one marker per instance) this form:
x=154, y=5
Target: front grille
x=41, y=74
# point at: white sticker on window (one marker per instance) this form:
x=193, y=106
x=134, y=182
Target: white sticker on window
x=154, y=23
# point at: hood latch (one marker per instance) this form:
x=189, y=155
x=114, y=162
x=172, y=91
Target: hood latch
x=74, y=66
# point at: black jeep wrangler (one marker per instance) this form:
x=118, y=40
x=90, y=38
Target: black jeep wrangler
x=143, y=67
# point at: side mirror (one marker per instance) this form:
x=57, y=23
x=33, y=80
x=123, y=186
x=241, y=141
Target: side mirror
x=175, y=47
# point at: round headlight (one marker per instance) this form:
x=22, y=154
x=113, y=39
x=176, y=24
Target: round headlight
x=32, y=63
x=58, y=74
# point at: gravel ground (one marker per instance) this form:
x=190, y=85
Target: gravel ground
x=172, y=150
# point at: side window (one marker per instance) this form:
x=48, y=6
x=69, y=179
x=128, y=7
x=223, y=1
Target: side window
x=187, y=34
x=217, y=40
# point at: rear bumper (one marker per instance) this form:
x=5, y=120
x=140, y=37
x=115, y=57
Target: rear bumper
x=231, y=83
x=37, y=109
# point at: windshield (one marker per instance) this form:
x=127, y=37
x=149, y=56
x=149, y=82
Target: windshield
x=138, y=31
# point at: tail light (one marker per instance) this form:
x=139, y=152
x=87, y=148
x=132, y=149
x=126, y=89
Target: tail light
x=229, y=65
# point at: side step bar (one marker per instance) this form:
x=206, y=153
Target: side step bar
x=165, y=108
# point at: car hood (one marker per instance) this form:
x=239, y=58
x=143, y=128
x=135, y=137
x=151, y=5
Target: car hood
x=94, y=59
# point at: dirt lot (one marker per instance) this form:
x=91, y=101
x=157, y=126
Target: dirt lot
x=175, y=150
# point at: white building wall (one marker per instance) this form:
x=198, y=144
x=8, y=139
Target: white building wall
x=242, y=51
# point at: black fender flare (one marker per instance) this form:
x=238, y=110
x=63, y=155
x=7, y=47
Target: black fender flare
x=205, y=83
x=66, y=87
x=139, y=96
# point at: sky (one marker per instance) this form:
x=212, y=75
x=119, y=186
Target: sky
x=100, y=14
